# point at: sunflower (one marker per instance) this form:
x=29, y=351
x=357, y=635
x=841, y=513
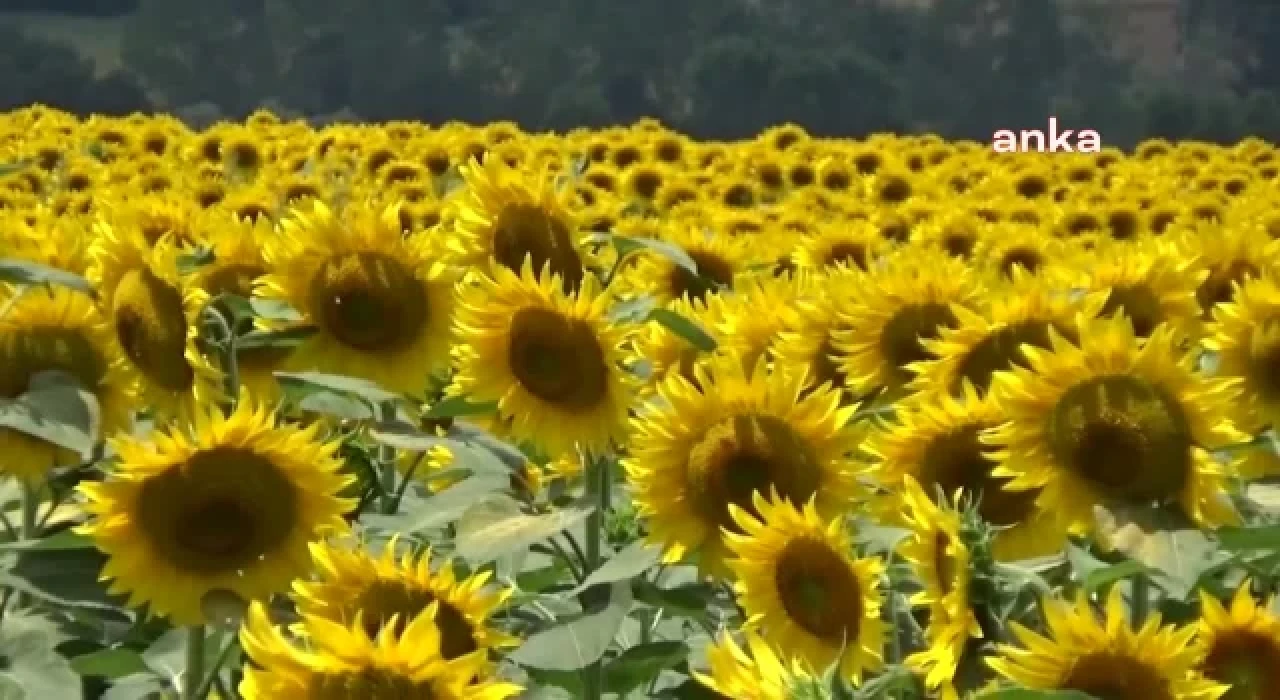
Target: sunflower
x=552, y=360
x=236, y=266
x=1016, y=315
x=382, y=303
x=905, y=301
x=155, y=314
x=351, y=581
x=1231, y=254
x=505, y=216
x=934, y=440
x=666, y=351
x=852, y=243
x=734, y=431
x=58, y=329
x=718, y=261
x=798, y=584
x=807, y=341
x=752, y=317
x=1242, y=645
x=332, y=661
x=228, y=505
x=1114, y=419
x=1150, y=283
x=1245, y=335
x=1105, y=658
x=733, y=674
x=941, y=561
x=1008, y=246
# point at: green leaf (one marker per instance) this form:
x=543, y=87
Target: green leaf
x=1101, y=578
x=444, y=507
x=137, y=686
x=274, y=310
x=167, y=656
x=1249, y=538
x=66, y=539
x=633, y=310
x=56, y=409
x=285, y=338
x=406, y=436
x=459, y=406
x=25, y=272
x=685, y=328
x=109, y=663
x=635, y=559
x=496, y=527
x=580, y=642
x=641, y=664
x=628, y=246
x=691, y=599
x=344, y=397
x=66, y=578
x=1164, y=540
x=33, y=668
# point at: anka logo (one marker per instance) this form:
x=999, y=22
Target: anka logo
x=1055, y=141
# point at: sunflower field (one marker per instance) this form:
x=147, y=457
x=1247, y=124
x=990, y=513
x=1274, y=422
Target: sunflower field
x=453, y=412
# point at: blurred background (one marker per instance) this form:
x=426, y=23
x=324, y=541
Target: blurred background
x=716, y=69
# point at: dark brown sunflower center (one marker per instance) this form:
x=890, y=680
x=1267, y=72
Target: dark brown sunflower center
x=222, y=511
x=1264, y=360
x=713, y=273
x=528, y=231
x=957, y=460
x=959, y=244
x=1248, y=662
x=1125, y=436
x=819, y=591
x=370, y=302
x=824, y=367
x=1028, y=259
x=385, y=599
x=1137, y=302
x=851, y=253
x=1000, y=350
x=368, y=683
x=1217, y=287
x=558, y=359
x=27, y=352
x=900, y=341
x=746, y=454
x=1109, y=676
x=151, y=325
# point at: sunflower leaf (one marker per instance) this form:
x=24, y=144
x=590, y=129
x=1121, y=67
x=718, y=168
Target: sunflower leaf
x=55, y=409
x=25, y=272
x=349, y=398
x=633, y=560
x=274, y=310
x=33, y=669
x=685, y=328
x=498, y=526
x=580, y=642
x=459, y=406
x=284, y=338
x=642, y=663
x=442, y=508
x=627, y=246
x=109, y=663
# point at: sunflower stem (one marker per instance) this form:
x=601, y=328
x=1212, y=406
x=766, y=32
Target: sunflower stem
x=598, y=492
x=30, y=526
x=193, y=676
x=387, y=464
x=1141, y=594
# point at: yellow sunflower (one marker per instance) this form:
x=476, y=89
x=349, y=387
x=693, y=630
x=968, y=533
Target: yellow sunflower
x=155, y=314
x=941, y=561
x=228, y=505
x=552, y=360
x=1010, y=246
x=58, y=329
x=668, y=352
x=1106, y=658
x=506, y=216
x=1245, y=334
x=799, y=585
x=904, y=302
x=1151, y=283
x=1113, y=419
x=851, y=243
x=807, y=339
x=382, y=303
x=935, y=441
x=1015, y=316
x=350, y=581
x=1231, y=254
x=329, y=660
x=718, y=260
x=735, y=431
x=1242, y=645
x=759, y=675
x=751, y=317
